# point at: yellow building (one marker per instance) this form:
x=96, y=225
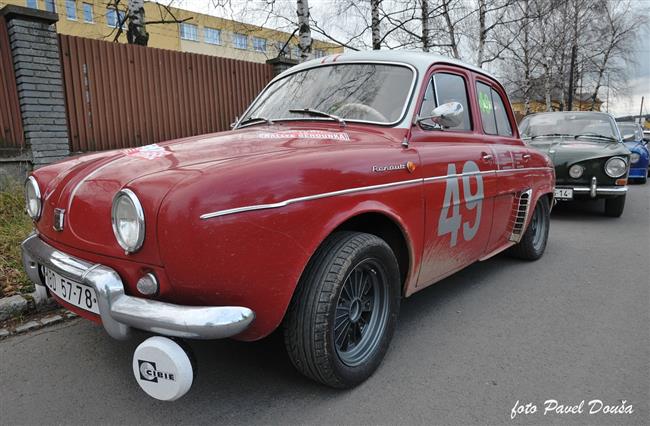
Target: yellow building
x=199, y=33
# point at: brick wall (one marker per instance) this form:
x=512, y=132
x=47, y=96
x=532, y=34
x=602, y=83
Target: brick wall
x=35, y=51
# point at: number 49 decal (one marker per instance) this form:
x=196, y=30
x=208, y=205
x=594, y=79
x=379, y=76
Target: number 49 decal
x=451, y=224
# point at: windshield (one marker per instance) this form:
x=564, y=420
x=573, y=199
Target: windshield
x=630, y=132
x=596, y=126
x=375, y=93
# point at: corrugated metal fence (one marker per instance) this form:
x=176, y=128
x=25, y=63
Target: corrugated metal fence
x=12, y=137
x=121, y=95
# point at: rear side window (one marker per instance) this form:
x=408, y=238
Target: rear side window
x=493, y=111
x=444, y=88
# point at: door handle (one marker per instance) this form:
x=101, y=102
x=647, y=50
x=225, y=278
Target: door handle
x=526, y=157
x=486, y=157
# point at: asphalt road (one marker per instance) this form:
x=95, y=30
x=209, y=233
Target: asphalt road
x=572, y=326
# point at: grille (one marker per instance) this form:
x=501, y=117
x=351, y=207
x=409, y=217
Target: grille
x=520, y=214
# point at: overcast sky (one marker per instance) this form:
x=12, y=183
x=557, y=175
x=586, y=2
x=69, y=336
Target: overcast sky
x=627, y=103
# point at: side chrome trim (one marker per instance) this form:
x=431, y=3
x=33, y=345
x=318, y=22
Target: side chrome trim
x=525, y=169
x=307, y=198
x=284, y=203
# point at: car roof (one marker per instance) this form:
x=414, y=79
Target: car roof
x=421, y=61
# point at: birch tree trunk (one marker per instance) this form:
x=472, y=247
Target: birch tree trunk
x=136, y=32
x=374, y=12
x=482, y=11
x=304, y=31
x=453, y=43
x=425, y=25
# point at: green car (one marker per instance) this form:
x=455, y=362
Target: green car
x=587, y=150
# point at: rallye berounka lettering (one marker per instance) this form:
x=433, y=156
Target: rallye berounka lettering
x=349, y=183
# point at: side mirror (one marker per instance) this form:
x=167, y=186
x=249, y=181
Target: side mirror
x=446, y=115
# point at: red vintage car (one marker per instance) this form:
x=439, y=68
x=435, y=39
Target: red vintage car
x=349, y=183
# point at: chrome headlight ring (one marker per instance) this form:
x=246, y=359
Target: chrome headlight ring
x=127, y=219
x=615, y=167
x=33, y=200
x=634, y=158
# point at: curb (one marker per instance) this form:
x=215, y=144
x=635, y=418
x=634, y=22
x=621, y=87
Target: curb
x=19, y=304
x=36, y=324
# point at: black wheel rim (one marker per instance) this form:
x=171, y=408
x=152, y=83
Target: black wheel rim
x=538, y=227
x=361, y=313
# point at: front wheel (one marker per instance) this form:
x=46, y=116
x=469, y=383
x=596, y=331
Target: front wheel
x=344, y=311
x=533, y=243
x=614, y=206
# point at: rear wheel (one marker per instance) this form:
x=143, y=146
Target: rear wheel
x=343, y=314
x=614, y=206
x=533, y=243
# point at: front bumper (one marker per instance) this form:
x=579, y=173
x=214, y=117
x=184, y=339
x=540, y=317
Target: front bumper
x=594, y=191
x=119, y=312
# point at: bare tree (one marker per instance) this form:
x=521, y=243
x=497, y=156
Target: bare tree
x=374, y=10
x=304, y=31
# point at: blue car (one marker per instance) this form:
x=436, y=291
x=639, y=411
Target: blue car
x=633, y=138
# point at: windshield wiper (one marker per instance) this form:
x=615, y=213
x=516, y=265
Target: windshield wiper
x=254, y=119
x=595, y=135
x=318, y=113
x=547, y=135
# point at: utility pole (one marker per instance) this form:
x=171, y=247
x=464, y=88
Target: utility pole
x=641, y=110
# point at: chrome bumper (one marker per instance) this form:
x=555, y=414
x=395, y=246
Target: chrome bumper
x=594, y=190
x=119, y=312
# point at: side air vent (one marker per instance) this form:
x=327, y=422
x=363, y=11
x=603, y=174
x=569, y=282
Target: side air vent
x=520, y=215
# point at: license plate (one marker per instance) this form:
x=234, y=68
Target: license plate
x=564, y=193
x=77, y=294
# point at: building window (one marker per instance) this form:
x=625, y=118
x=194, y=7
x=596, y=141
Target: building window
x=281, y=48
x=240, y=41
x=71, y=10
x=259, y=44
x=212, y=36
x=189, y=32
x=319, y=53
x=49, y=6
x=88, y=12
x=112, y=17
x=295, y=52
x=32, y=3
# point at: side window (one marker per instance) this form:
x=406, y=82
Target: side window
x=487, y=109
x=444, y=88
x=503, y=125
x=493, y=111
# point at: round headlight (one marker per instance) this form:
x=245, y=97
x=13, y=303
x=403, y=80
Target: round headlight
x=615, y=167
x=634, y=157
x=127, y=217
x=576, y=171
x=32, y=198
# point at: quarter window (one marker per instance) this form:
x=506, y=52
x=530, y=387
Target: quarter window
x=493, y=111
x=212, y=36
x=240, y=41
x=71, y=10
x=444, y=88
x=189, y=32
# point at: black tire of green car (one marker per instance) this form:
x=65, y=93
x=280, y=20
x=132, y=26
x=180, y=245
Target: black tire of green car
x=614, y=206
x=343, y=313
x=533, y=243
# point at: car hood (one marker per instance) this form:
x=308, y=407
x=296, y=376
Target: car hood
x=563, y=150
x=636, y=146
x=85, y=186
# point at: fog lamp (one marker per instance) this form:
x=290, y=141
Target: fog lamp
x=147, y=285
x=576, y=171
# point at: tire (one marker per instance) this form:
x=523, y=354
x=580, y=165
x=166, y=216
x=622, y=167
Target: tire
x=614, y=206
x=327, y=284
x=533, y=243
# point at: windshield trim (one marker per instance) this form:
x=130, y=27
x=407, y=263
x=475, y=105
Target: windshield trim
x=407, y=103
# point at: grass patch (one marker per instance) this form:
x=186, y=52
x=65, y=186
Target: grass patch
x=15, y=225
